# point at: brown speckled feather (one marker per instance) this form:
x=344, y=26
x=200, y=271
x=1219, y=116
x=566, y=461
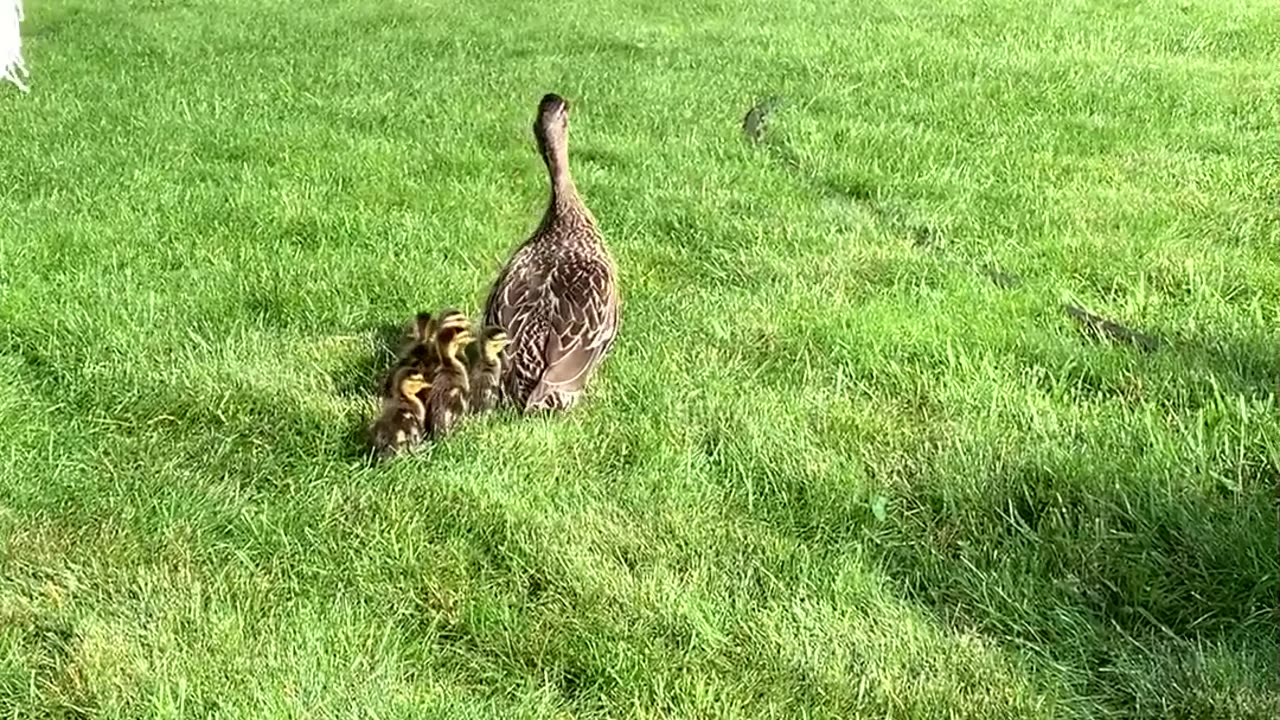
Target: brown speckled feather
x=583, y=325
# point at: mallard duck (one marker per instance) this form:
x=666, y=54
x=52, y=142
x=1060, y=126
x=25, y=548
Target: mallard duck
x=447, y=401
x=398, y=428
x=557, y=296
x=487, y=369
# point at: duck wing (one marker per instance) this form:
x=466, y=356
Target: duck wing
x=583, y=325
x=515, y=293
x=517, y=304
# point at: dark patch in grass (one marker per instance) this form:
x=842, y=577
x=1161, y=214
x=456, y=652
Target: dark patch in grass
x=1001, y=279
x=230, y=151
x=310, y=231
x=266, y=307
x=856, y=189
x=50, y=645
x=1111, y=330
x=1250, y=368
x=53, y=370
x=575, y=45
x=1189, y=566
x=924, y=236
x=898, y=221
x=35, y=361
x=609, y=45
x=1063, y=374
x=358, y=443
x=600, y=156
x=366, y=373
x=1187, y=375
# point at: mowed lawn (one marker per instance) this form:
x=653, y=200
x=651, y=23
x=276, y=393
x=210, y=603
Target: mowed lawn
x=850, y=457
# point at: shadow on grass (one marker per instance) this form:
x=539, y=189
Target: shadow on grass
x=896, y=218
x=1097, y=574
x=1240, y=366
x=1095, y=564
x=501, y=607
x=48, y=648
x=225, y=426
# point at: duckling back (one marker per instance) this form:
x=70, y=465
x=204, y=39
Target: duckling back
x=397, y=430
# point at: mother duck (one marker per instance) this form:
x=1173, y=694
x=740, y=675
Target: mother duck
x=557, y=297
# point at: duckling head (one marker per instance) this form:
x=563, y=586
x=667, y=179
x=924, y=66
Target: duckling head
x=552, y=124
x=451, y=339
x=452, y=319
x=424, y=327
x=411, y=381
x=495, y=340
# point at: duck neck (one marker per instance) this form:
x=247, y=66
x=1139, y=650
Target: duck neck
x=413, y=401
x=564, y=194
x=452, y=361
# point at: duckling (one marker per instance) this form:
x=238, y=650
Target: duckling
x=417, y=349
x=398, y=428
x=447, y=401
x=557, y=296
x=421, y=331
x=487, y=369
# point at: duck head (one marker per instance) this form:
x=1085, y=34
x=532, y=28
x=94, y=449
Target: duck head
x=410, y=381
x=495, y=340
x=551, y=128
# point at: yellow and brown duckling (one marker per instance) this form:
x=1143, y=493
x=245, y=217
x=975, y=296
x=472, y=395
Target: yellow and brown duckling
x=450, y=387
x=558, y=294
x=487, y=370
x=417, y=350
x=399, y=426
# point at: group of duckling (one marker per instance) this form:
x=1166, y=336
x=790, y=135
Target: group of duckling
x=558, y=298
x=432, y=387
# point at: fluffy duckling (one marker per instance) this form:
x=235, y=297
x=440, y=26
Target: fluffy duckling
x=417, y=349
x=398, y=428
x=420, y=338
x=447, y=402
x=487, y=370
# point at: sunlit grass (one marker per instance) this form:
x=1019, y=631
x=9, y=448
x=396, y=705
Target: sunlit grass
x=850, y=457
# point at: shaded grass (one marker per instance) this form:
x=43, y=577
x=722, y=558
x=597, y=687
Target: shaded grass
x=832, y=470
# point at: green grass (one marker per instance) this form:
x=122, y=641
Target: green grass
x=832, y=469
